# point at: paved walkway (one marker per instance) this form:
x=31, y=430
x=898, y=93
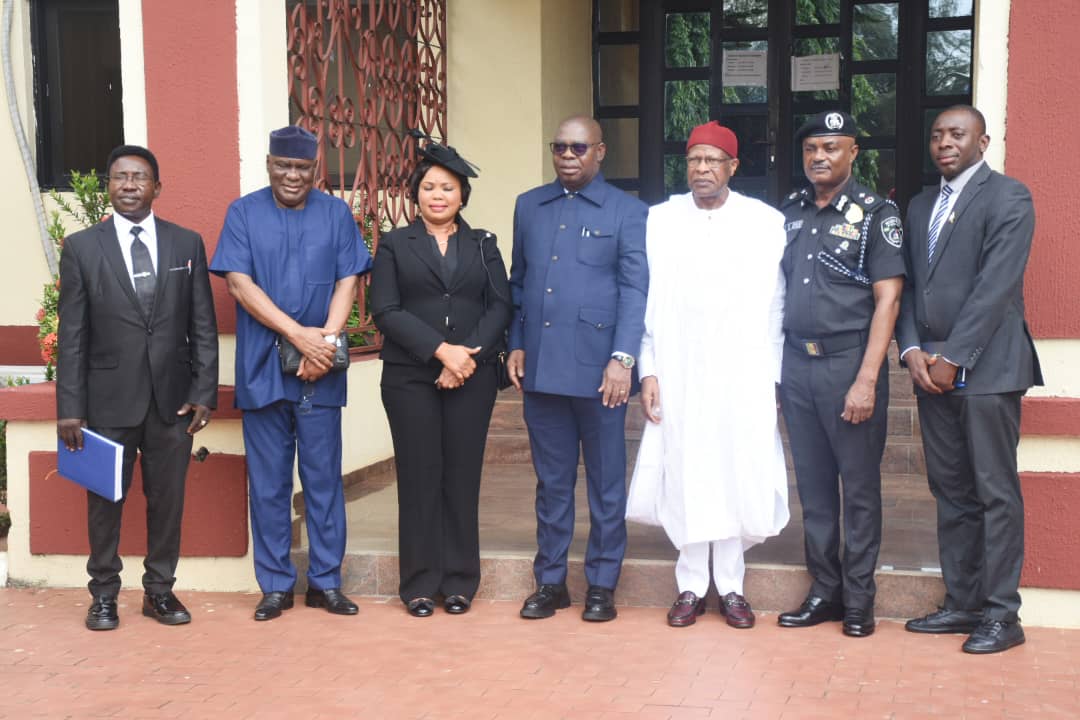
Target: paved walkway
x=490, y=664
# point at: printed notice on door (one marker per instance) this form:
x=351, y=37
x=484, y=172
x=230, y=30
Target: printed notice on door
x=815, y=72
x=745, y=68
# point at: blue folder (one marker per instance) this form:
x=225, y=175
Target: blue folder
x=97, y=467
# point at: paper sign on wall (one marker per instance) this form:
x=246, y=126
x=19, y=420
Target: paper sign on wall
x=815, y=72
x=745, y=68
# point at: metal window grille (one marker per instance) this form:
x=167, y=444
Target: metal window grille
x=362, y=73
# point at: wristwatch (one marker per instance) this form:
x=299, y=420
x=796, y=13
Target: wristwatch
x=627, y=361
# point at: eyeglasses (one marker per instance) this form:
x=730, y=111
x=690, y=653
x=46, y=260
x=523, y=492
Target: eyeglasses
x=578, y=148
x=139, y=178
x=713, y=163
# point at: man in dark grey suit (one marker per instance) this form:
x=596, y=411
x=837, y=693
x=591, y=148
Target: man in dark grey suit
x=138, y=363
x=963, y=337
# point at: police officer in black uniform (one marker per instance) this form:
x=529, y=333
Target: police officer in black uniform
x=844, y=271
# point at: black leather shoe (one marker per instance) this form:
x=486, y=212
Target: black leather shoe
x=165, y=608
x=859, y=622
x=814, y=611
x=994, y=636
x=332, y=599
x=599, y=605
x=272, y=604
x=420, y=607
x=102, y=614
x=457, y=604
x=545, y=601
x=946, y=621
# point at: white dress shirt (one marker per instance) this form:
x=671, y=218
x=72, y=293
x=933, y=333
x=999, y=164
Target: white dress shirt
x=148, y=236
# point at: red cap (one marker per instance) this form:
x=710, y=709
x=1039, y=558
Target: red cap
x=715, y=134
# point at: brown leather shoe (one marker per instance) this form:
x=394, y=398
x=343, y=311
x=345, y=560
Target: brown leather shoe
x=685, y=610
x=738, y=612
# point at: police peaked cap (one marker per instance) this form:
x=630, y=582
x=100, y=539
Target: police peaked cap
x=830, y=122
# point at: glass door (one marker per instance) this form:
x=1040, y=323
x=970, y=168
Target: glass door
x=762, y=67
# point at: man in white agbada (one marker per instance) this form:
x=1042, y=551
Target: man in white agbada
x=711, y=470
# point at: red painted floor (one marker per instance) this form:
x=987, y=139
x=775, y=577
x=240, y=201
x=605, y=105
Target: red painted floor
x=490, y=664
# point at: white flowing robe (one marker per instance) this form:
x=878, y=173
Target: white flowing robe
x=713, y=468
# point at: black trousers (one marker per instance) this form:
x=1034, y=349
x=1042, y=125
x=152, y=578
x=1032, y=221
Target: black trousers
x=439, y=438
x=970, y=443
x=835, y=459
x=165, y=452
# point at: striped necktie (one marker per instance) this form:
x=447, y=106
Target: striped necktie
x=142, y=272
x=937, y=222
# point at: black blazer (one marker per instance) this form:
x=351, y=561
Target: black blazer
x=971, y=297
x=416, y=310
x=112, y=358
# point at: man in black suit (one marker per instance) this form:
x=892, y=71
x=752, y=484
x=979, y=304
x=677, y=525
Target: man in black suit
x=963, y=337
x=138, y=363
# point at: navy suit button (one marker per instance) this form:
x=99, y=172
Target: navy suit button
x=554, y=257
x=547, y=324
x=549, y=291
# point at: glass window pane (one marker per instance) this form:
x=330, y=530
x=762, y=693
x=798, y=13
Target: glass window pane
x=686, y=43
x=746, y=13
x=876, y=169
x=817, y=12
x=618, y=15
x=948, y=62
x=686, y=105
x=874, y=31
x=815, y=46
x=950, y=8
x=802, y=47
x=621, y=140
x=752, y=131
x=739, y=94
x=675, y=175
x=618, y=75
x=873, y=103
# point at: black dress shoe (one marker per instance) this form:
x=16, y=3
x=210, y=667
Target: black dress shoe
x=946, y=621
x=333, y=600
x=858, y=622
x=420, y=607
x=994, y=636
x=102, y=614
x=272, y=604
x=457, y=604
x=545, y=601
x=599, y=604
x=165, y=608
x=814, y=611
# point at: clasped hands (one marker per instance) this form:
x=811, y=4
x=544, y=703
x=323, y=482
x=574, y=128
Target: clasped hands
x=318, y=352
x=931, y=373
x=458, y=365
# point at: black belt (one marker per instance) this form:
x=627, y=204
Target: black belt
x=827, y=344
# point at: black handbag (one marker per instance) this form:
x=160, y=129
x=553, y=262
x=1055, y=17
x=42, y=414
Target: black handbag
x=290, y=356
x=502, y=373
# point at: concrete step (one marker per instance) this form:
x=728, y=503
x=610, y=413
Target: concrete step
x=644, y=583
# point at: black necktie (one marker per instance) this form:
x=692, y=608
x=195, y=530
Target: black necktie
x=142, y=271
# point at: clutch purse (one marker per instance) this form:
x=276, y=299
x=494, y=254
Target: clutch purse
x=290, y=356
x=502, y=374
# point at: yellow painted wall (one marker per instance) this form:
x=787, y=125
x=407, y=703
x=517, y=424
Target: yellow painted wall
x=514, y=69
x=24, y=269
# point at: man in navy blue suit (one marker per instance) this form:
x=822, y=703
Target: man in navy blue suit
x=578, y=281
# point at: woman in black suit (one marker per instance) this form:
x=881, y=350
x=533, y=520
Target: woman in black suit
x=440, y=297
